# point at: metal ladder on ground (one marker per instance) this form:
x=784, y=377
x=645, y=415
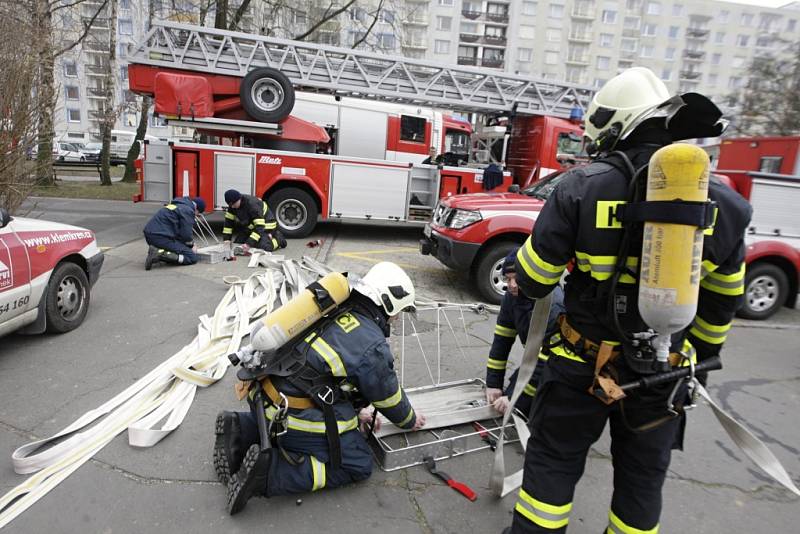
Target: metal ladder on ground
x=356, y=73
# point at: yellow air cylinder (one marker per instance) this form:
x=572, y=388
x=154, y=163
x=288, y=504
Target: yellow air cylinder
x=669, y=277
x=295, y=316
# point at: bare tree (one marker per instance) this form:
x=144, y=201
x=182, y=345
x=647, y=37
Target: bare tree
x=17, y=104
x=109, y=107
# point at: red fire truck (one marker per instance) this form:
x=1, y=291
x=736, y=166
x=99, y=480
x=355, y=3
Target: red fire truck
x=353, y=152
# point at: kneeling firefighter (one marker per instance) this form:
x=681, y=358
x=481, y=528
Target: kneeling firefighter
x=169, y=233
x=313, y=369
x=626, y=317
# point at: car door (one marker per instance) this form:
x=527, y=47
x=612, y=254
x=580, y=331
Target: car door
x=15, y=275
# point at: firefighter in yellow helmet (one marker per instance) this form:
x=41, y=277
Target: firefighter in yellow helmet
x=629, y=119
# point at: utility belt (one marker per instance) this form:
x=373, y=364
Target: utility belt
x=604, y=386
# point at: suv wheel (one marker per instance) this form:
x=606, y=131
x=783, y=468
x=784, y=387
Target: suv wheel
x=765, y=291
x=487, y=274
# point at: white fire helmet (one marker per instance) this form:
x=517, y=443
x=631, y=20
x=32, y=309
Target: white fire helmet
x=621, y=105
x=388, y=286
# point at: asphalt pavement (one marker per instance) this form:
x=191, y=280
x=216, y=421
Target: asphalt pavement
x=137, y=319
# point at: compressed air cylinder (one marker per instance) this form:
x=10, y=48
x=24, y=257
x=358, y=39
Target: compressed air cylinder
x=295, y=316
x=669, y=276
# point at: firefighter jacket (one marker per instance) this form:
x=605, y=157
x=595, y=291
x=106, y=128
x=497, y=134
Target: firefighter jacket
x=174, y=221
x=514, y=320
x=578, y=222
x=252, y=214
x=352, y=349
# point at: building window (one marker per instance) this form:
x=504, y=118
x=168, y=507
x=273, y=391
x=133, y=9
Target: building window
x=301, y=19
x=666, y=75
x=603, y=62
x=764, y=42
x=157, y=122
x=738, y=62
x=719, y=38
x=525, y=54
x=628, y=45
x=125, y=27
x=122, y=50
x=649, y=30
x=123, y=72
x=716, y=58
x=495, y=31
x=357, y=36
x=712, y=80
x=386, y=40
x=677, y=10
x=528, y=8
x=609, y=16
x=445, y=2
x=742, y=40
x=631, y=23
x=73, y=115
x=70, y=69
x=647, y=51
x=357, y=14
x=734, y=82
x=723, y=16
x=124, y=4
x=599, y=82
x=527, y=32
x=551, y=58
x=387, y=17
x=746, y=20
x=791, y=25
x=553, y=35
x=556, y=11
x=673, y=32
x=469, y=27
x=653, y=8
x=606, y=40
x=441, y=47
x=444, y=23
x=72, y=92
x=669, y=54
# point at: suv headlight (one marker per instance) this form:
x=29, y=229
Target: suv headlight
x=463, y=218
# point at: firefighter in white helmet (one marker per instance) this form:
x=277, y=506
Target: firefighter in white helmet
x=346, y=372
x=629, y=119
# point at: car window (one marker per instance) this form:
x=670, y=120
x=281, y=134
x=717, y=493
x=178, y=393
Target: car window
x=544, y=187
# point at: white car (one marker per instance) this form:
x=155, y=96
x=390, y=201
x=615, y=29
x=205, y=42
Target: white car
x=47, y=270
x=67, y=152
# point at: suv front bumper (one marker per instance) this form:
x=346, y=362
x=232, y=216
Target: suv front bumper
x=457, y=255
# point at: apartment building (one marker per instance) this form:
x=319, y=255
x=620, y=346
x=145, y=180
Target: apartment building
x=693, y=45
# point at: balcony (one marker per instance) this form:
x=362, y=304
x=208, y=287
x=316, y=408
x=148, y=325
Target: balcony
x=583, y=14
x=467, y=60
x=501, y=18
x=96, y=114
x=99, y=24
x=469, y=37
x=690, y=75
x=415, y=45
x=581, y=37
x=96, y=70
x=496, y=63
x=632, y=32
x=628, y=54
x=697, y=33
x=416, y=21
x=495, y=40
x=578, y=59
x=95, y=93
x=694, y=55
x=471, y=15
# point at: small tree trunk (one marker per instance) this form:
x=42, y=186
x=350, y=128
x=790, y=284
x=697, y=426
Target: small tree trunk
x=109, y=112
x=221, y=18
x=46, y=94
x=133, y=151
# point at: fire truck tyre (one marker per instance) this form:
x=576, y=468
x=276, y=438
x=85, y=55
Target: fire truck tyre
x=487, y=274
x=295, y=211
x=67, y=298
x=765, y=290
x=267, y=95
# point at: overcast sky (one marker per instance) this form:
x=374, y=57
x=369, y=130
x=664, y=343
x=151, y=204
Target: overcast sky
x=762, y=3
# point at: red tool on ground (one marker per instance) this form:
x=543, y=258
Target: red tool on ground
x=484, y=434
x=460, y=487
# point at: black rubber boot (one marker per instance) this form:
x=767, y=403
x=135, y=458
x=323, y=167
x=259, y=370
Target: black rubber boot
x=250, y=480
x=281, y=240
x=167, y=256
x=228, y=452
x=152, y=257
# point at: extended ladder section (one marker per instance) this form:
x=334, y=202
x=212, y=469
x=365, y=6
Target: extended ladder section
x=347, y=72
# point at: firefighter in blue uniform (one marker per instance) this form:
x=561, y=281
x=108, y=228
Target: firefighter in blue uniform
x=628, y=120
x=252, y=221
x=169, y=233
x=350, y=351
x=512, y=321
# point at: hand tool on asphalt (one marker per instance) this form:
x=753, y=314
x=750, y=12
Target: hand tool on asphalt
x=485, y=436
x=460, y=487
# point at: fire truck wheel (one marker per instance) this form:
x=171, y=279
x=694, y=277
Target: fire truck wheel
x=67, y=298
x=295, y=211
x=267, y=95
x=765, y=290
x=487, y=273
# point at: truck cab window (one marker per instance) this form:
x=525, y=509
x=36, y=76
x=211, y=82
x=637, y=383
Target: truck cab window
x=412, y=129
x=770, y=164
x=456, y=141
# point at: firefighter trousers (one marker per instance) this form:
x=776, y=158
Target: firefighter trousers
x=269, y=241
x=301, y=463
x=186, y=255
x=566, y=421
